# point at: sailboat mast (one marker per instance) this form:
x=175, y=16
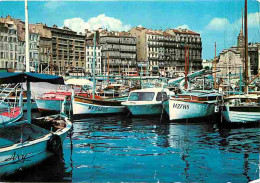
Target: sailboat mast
x=27, y=59
x=27, y=64
x=215, y=59
x=186, y=66
x=94, y=67
x=246, y=50
x=107, y=67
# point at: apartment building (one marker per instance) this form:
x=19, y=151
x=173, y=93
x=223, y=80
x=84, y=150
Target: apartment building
x=90, y=57
x=44, y=47
x=118, y=54
x=192, y=41
x=15, y=45
x=164, y=51
x=68, y=50
x=8, y=45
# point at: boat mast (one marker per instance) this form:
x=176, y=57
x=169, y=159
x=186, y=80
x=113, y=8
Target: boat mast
x=215, y=80
x=107, y=67
x=246, y=51
x=28, y=86
x=27, y=59
x=94, y=67
x=186, y=66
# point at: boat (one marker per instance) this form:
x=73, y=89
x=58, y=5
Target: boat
x=93, y=105
x=11, y=112
x=193, y=104
x=23, y=144
x=88, y=106
x=50, y=102
x=243, y=108
x=146, y=101
x=10, y=92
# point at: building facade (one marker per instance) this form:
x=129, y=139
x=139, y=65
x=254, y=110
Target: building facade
x=8, y=45
x=164, y=51
x=90, y=57
x=44, y=47
x=118, y=53
x=68, y=50
x=232, y=63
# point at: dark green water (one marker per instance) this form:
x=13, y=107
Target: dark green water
x=110, y=149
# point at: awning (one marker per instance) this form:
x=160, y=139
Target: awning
x=80, y=82
x=6, y=78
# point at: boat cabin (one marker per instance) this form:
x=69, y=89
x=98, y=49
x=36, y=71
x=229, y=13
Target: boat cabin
x=149, y=94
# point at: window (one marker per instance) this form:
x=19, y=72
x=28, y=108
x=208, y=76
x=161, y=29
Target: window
x=161, y=96
x=141, y=96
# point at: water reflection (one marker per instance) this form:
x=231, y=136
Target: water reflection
x=137, y=149
x=165, y=151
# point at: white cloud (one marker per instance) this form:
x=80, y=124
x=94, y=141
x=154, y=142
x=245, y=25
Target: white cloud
x=218, y=24
x=223, y=23
x=53, y=5
x=184, y=26
x=101, y=21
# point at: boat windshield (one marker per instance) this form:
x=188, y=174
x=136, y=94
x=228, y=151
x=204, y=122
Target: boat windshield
x=141, y=96
x=161, y=96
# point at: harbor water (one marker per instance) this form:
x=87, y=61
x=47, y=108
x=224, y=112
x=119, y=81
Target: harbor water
x=116, y=149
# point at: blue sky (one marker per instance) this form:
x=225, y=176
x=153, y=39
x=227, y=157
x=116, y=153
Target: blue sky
x=215, y=20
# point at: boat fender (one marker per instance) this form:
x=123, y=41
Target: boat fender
x=216, y=110
x=54, y=144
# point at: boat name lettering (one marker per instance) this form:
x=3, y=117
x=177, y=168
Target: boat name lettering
x=15, y=157
x=96, y=108
x=181, y=106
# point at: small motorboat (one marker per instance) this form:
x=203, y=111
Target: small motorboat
x=146, y=101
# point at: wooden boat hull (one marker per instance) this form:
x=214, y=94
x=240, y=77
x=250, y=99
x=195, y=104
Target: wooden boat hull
x=86, y=106
x=143, y=109
x=178, y=110
x=28, y=153
x=45, y=105
x=241, y=114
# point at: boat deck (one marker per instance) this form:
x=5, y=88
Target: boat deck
x=12, y=134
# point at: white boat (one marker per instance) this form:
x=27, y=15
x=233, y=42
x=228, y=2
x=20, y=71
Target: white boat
x=23, y=144
x=241, y=109
x=94, y=105
x=146, y=101
x=193, y=104
x=87, y=106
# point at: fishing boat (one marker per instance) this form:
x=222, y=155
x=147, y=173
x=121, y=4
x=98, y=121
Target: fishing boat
x=88, y=106
x=146, y=101
x=245, y=107
x=94, y=105
x=23, y=144
x=51, y=102
x=241, y=109
x=193, y=104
